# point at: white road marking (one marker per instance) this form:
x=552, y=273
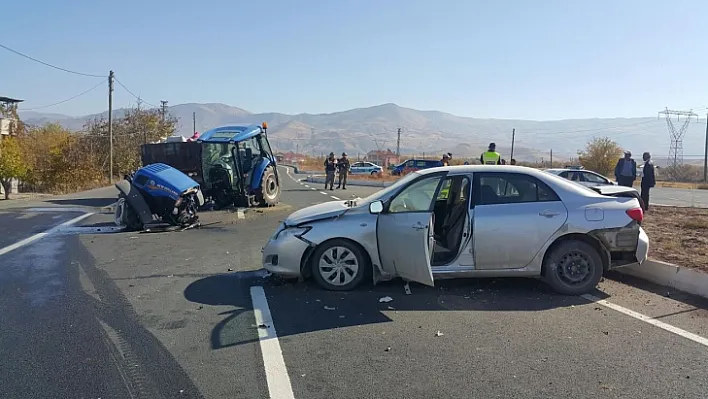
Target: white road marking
x=57, y=209
x=307, y=185
x=240, y=213
x=323, y=193
x=650, y=320
x=337, y=198
x=43, y=234
x=312, y=188
x=277, y=377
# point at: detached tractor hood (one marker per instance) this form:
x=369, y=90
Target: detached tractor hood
x=317, y=212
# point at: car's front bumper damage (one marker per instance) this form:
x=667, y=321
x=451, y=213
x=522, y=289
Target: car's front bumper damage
x=283, y=253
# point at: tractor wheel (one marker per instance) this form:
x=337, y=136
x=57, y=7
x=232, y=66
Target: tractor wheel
x=269, y=192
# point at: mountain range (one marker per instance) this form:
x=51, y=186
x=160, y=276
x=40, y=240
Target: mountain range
x=360, y=130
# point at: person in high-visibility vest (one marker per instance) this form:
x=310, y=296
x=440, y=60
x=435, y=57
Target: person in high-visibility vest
x=491, y=157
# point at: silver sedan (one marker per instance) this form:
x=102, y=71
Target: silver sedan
x=463, y=221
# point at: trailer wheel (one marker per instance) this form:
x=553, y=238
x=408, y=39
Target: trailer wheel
x=269, y=192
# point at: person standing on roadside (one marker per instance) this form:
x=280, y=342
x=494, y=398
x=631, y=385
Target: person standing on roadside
x=626, y=170
x=343, y=165
x=445, y=160
x=491, y=157
x=330, y=166
x=648, y=179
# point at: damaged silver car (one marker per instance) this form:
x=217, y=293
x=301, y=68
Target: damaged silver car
x=463, y=221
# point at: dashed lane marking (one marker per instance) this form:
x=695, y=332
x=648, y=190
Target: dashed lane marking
x=650, y=320
x=43, y=234
x=323, y=193
x=337, y=198
x=277, y=377
x=312, y=188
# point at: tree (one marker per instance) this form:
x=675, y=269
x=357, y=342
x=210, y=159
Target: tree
x=600, y=155
x=12, y=165
x=136, y=127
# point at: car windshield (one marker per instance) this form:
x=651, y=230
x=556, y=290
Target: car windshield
x=386, y=192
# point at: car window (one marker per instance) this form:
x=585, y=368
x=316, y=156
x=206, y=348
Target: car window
x=357, y=165
x=417, y=197
x=420, y=164
x=367, y=164
x=593, y=178
x=511, y=188
x=409, y=164
x=564, y=174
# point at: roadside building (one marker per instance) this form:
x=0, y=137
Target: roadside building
x=382, y=158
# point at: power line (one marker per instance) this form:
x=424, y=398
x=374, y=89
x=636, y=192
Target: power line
x=63, y=101
x=133, y=94
x=50, y=65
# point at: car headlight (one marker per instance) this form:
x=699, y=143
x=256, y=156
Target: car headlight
x=291, y=231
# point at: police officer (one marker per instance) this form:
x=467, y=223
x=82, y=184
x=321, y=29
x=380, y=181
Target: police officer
x=343, y=166
x=330, y=165
x=445, y=160
x=491, y=157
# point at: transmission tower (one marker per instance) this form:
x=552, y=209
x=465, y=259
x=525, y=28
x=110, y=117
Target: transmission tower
x=676, y=136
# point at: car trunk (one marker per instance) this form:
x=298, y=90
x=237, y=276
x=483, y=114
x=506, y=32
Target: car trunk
x=619, y=191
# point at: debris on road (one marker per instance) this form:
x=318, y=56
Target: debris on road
x=439, y=334
x=267, y=274
x=385, y=299
x=407, y=288
x=388, y=349
x=263, y=326
x=329, y=308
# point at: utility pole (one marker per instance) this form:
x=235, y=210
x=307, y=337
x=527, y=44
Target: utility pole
x=110, y=124
x=194, y=122
x=398, y=144
x=705, y=155
x=551, y=157
x=513, y=136
x=163, y=106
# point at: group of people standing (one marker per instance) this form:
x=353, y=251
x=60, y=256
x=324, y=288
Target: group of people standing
x=626, y=174
x=332, y=166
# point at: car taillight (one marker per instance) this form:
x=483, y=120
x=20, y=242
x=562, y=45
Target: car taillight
x=636, y=214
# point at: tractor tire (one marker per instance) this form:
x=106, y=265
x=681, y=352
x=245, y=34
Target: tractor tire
x=269, y=192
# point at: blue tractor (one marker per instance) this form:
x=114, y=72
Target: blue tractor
x=238, y=166
x=234, y=165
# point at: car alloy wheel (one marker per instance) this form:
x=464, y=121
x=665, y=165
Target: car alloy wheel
x=338, y=266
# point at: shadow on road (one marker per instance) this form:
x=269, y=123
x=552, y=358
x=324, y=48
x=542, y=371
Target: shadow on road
x=303, y=307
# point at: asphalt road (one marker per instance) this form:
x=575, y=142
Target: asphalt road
x=88, y=314
x=679, y=197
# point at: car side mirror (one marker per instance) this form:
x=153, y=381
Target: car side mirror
x=376, y=207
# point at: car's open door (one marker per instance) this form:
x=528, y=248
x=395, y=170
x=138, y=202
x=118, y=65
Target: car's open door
x=406, y=244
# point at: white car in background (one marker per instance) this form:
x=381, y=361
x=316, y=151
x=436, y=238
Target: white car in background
x=585, y=177
x=365, y=168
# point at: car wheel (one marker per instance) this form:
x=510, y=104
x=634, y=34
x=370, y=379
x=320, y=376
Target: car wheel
x=339, y=265
x=374, y=173
x=573, y=268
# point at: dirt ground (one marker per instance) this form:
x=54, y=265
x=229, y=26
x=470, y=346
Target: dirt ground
x=678, y=236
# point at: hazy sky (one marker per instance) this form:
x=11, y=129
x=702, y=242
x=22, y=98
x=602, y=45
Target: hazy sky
x=538, y=59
